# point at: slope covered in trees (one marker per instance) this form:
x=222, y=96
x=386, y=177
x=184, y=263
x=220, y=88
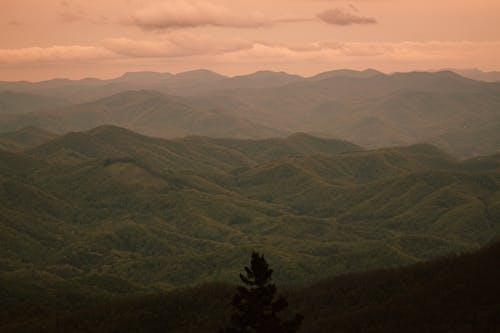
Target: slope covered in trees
x=453, y=294
x=110, y=212
x=27, y=137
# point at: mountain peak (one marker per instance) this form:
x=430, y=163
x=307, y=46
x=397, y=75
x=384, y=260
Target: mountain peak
x=200, y=74
x=367, y=73
x=144, y=74
x=268, y=73
x=300, y=136
x=109, y=129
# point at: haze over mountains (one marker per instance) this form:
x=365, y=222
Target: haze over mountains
x=476, y=74
x=368, y=108
x=335, y=174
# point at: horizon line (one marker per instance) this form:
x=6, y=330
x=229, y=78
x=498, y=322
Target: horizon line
x=255, y=72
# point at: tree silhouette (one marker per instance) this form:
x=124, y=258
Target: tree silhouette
x=255, y=307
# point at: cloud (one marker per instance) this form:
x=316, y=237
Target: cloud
x=320, y=51
x=169, y=46
x=350, y=16
x=368, y=54
x=184, y=14
x=191, y=50
x=175, y=45
x=53, y=54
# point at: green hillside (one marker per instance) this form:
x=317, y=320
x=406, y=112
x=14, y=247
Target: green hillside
x=24, y=138
x=110, y=204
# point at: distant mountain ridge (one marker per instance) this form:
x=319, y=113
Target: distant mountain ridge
x=180, y=83
x=476, y=74
x=146, y=111
x=368, y=108
x=152, y=80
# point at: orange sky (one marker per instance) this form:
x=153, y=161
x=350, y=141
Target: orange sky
x=42, y=39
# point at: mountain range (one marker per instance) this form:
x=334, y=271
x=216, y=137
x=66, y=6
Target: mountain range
x=85, y=208
x=368, y=108
x=108, y=213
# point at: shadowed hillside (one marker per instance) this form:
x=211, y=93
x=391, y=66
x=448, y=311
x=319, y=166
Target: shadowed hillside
x=148, y=112
x=455, y=294
x=19, y=102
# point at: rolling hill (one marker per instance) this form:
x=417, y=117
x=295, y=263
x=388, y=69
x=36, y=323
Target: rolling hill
x=26, y=137
x=146, y=111
x=87, y=208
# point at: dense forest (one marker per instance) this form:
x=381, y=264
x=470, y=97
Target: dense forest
x=90, y=217
x=453, y=294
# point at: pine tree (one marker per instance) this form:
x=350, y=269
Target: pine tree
x=255, y=307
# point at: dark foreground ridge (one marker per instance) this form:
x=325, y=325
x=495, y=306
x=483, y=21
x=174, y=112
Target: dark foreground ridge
x=454, y=294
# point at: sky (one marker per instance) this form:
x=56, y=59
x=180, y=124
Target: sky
x=44, y=39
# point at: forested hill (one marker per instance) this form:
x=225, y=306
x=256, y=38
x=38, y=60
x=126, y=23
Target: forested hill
x=109, y=204
x=454, y=294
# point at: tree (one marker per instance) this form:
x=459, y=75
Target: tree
x=254, y=305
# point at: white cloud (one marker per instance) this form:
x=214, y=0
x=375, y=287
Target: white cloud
x=175, y=45
x=349, y=16
x=53, y=54
x=184, y=14
x=432, y=52
x=190, y=48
